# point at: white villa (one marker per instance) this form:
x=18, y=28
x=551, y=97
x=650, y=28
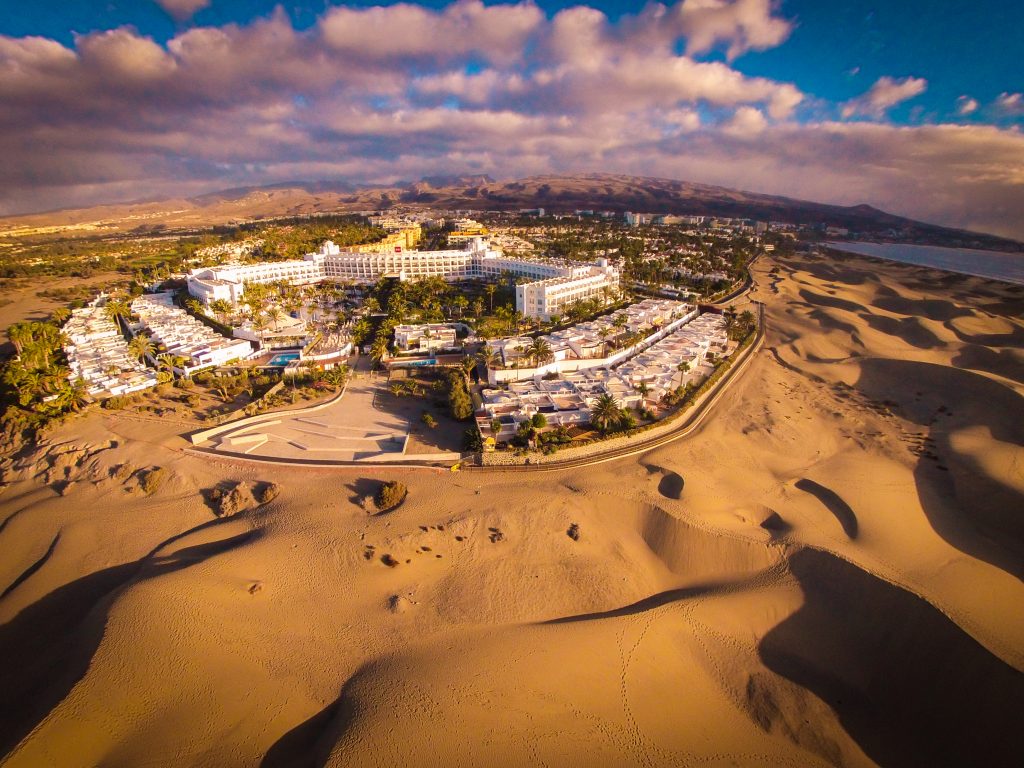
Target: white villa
x=567, y=399
x=425, y=337
x=98, y=354
x=185, y=336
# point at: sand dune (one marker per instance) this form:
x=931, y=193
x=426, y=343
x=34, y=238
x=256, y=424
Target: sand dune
x=912, y=691
x=827, y=573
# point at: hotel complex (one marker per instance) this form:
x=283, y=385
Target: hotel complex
x=553, y=286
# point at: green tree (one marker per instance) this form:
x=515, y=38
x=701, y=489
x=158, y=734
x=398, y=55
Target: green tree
x=605, y=412
x=141, y=346
x=683, y=369
x=539, y=351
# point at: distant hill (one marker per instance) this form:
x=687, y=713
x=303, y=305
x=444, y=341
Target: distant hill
x=555, y=193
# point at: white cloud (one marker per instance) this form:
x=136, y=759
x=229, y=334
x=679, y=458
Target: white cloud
x=743, y=24
x=746, y=121
x=1010, y=103
x=966, y=105
x=182, y=9
x=886, y=93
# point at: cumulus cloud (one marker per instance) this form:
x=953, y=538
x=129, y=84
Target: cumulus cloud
x=743, y=24
x=966, y=105
x=386, y=93
x=403, y=31
x=182, y=9
x=886, y=93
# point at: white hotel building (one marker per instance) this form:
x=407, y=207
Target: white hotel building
x=555, y=283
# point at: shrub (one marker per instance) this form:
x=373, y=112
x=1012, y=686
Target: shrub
x=390, y=495
x=539, y=421
x=231, y=502
x=459, y=401
x=152, y=480
x=268, y=493
x=428, y=419
x=472, y=440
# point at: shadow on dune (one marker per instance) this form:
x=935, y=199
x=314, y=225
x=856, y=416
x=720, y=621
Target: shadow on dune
x=48, y=646
x=832, y=302
x=671, y=484
x=966, y=505
x=908, y=684
x=647, y=604
x=1006, y=362
x=27, y=573
x=310, y=743
x=933, y=309
x=1013, y=338
x=907, y=329
x=833, y=502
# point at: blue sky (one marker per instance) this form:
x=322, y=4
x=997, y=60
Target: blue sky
x=912, y=106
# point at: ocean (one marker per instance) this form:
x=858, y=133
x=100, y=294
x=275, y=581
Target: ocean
x=992, y=264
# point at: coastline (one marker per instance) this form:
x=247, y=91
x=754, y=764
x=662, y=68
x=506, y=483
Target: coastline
x=1003, y=266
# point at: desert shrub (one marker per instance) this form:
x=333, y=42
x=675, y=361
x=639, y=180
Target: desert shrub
x=428, y=419
x=268, y=493
x=152, y=480
x=231, y=502
x=117, y=402
x=390, y=495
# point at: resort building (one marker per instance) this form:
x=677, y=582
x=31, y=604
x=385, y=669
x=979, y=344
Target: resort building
x=547, y=298
x=98, y=354
x=426, y=337
x=560, y=282
x=180, y=334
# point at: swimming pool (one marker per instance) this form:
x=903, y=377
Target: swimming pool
x=280, y=361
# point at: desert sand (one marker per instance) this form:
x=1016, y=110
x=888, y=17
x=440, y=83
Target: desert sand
x=827, y=573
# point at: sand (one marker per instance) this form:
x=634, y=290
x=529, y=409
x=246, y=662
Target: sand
x=827, y=573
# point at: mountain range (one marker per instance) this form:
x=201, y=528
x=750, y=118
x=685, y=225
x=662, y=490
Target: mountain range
x=555, y=193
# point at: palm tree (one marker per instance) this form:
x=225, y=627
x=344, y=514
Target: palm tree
x=141, y=346
x=683, y=368
x=73, y=395
x=220, y=307
x=117, y=309
x=604, y=412
x=487, y=355
x=274, y=314
x=60, y=316
x=539, y=351
x=167, y=362
x=489, y=290
x=194, y=306
x=379, y=350
x=20, y=335
x=644, y=390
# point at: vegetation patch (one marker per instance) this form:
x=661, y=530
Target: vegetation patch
x=152, y=479
x=390, y=495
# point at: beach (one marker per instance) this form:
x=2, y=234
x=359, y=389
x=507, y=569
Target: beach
x=827, y=572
